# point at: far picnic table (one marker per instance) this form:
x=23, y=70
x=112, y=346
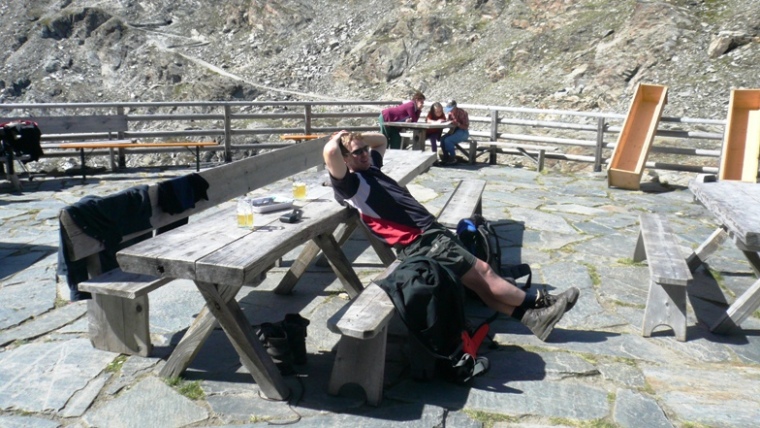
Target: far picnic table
x=125, y=144
x=419, y=131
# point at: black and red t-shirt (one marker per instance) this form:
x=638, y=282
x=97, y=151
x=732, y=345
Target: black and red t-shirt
x=386, y=207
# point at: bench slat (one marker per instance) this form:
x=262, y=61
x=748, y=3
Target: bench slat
x=365, y=316
x=464, y=202
x=666, y=263
x=504, y=144
x=121, y=284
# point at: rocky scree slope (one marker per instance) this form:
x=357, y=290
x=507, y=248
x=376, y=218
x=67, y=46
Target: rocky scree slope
x=578, y=55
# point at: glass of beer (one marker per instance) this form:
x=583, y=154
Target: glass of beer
x=299, y=190
x=244, y=214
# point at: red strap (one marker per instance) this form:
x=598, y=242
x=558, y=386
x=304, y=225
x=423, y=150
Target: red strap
x=471, y=344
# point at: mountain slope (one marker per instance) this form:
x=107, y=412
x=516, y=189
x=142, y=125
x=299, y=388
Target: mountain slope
x=580, y=55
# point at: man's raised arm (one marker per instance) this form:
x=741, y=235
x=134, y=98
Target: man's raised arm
x=333, y=156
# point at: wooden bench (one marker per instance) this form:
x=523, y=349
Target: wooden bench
x=669, y=275
x=363, y=322
x=121, y=145
x=118, y=312
x=534, y=152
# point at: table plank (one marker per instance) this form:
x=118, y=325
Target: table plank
x=735, y=205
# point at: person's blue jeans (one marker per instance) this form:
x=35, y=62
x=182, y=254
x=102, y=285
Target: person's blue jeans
x=449, y=142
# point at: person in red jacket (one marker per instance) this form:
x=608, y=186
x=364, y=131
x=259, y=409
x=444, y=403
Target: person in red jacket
x=406, y=112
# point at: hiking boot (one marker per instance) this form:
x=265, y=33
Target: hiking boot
x=275, y=341
x=545, y=299
x=541, y=321
x=295, y=328
x=450, y=160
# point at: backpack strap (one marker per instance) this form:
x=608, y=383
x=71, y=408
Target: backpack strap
x=519, y=271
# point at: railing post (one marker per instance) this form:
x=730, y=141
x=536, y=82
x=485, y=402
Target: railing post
x=600, y=126
x=227, y=133
x=494, y=125
x=119, y=136
x=307, y=119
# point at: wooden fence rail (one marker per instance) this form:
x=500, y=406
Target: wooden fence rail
x=237, y=125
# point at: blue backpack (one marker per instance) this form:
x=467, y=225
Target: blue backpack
x=479, y=237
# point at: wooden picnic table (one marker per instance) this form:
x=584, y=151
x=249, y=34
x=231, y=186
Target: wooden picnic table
x=220, y=258
x=419, y=131
x=736, y=206
x=124, y=144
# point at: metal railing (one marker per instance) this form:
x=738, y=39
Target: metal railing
x=683, y=144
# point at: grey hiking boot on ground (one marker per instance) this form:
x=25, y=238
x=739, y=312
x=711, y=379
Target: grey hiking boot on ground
x=541, y=321
x=545, y=299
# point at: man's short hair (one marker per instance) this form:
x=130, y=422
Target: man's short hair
x=418, y=96
x=346, y=139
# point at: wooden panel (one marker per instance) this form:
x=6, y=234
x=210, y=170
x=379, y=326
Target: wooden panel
x=76, y=124
x=463, y=203
x=635, y=139
x=752, y=148
x=119, y=325
x=737, y=135
x=666, y=263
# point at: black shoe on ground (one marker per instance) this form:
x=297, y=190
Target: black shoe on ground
x=545, y=299
x=451, y=160
x=275, y=341
x=541, y=321
x=295, y=328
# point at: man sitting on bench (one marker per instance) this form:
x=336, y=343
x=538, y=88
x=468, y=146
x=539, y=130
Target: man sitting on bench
x=396, y=217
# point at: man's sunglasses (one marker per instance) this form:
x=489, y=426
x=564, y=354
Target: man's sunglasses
x=358, y=152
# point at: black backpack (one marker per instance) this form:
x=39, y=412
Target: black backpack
x=479, y=238
x=430, y=301
x=21, y=137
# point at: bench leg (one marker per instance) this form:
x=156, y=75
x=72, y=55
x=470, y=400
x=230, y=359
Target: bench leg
x=473, y=151
x=83, y=166
x=666, y=305
x=492, y=155
x=361, y=362
x=541, y=157
x=120, y=325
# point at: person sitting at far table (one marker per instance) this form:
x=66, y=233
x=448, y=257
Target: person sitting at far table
x=435, y=115
x=459, y=132
x=354, y=162
x=406, y=112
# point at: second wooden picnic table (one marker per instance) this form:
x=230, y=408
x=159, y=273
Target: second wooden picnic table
x=220, y=258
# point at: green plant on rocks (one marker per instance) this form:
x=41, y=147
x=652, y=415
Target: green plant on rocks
x=191, y=390
x=115, y=365
x=489, y=419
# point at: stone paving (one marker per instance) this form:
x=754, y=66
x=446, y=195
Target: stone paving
x=594, y=370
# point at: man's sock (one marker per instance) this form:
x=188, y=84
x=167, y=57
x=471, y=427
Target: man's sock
x=528, y=303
